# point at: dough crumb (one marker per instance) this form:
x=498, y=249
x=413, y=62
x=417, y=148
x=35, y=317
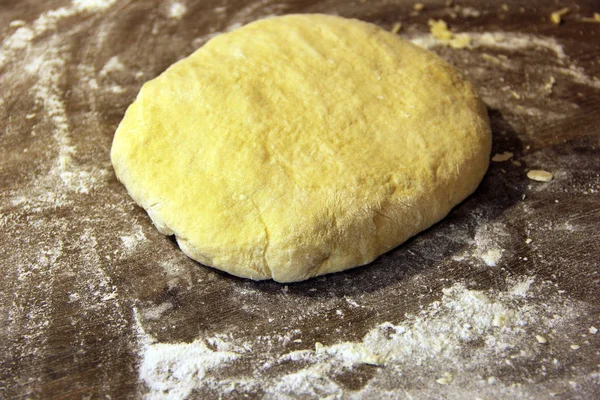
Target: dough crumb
x=445, y=380
x=418, y=6
x=575, y=346
x=516, y=163
x=556, y=16
x=396, y=28
x=460, y=41
x=593, y=330
x=17, y=23
x=595, y=18
x=501, y=157
x=550, y=85
x=439, y=30
x=540, y=175
x=540, y=339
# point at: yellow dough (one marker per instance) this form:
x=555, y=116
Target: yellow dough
x=301, y=145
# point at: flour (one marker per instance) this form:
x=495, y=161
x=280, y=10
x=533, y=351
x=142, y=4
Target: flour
x=311, y=382
x=19, y=40
x=578, y=75
x=48, y=21
x=49, y=68
x=92, y=5
x=154, y=313
x=469, y=12
x=173, y=370
x=114, y=64
x=131, y=241
x=486, y=247
x=491, y=257
x=498, y=40
x=176, y=10
x=47, y=63
x=435, y=344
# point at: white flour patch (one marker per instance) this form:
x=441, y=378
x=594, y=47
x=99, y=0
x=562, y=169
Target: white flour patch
x=49, y=68
x=132, y=241
x=516, y=41
x=487, y=245
x=44, y=55
x=434, y=346
x=521, y=288
x=22, y=38
x=92, y=5
x=116, y=89
x=19, y=40
x=578, y=75
x=492, y=256
x=488, y=239
x=469, y=12
x=154, y=313
x=312, y=382
x=17, y=23
x=177, y=272
x=498, y=40
x=99, y=287
x=174, y=370
x=176, y=10
x=112, y=65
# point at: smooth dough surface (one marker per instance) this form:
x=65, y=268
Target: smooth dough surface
x=301, y=145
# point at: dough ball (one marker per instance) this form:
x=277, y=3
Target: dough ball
x=301, y=145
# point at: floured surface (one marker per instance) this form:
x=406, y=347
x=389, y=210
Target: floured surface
x=95, y=302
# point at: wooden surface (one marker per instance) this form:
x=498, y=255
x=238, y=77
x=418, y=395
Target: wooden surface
x=95, y=303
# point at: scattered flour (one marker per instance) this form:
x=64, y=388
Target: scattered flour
x=46, y=22
x=47, y=62
x=312, y=382
x=176, y=10
x=498, y=40
x=154, y=313
x=112, y=65
x=486, y=246
x=488, y=239
x=469, y=12
x=92, y=5
x=174, y=370
x=131, y=241
x=491, y=257
x=435, y=344
x=521, y=288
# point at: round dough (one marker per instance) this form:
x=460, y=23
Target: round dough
x=301, y=145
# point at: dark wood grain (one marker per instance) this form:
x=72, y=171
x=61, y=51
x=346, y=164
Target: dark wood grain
x=78, y=256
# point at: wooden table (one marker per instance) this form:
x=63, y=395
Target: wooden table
x=499, y=300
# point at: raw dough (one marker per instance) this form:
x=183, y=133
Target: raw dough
x=301, y=145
